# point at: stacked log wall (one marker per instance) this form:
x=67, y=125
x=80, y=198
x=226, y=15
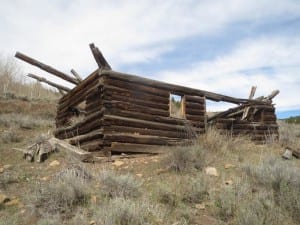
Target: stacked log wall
x=262, y=127
x=137, y=115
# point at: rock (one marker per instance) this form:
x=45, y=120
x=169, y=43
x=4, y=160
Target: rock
x=117, y=163
x=7, y=166
x=139, y=175
x=4, y=199
x=212, y=171
x=1, y=169
x=94, y=199
x=46, y=178
x=54, y=163
x=13, y=202
x=288, y=154
x=200, y=206
x=92, y=222
x=228, y=182
x=228, y=166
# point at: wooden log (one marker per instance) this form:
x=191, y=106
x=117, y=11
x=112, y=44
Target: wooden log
x=41, y=79
x=77, y=152
x=273, y=94
x=130, y=122
x=195, y=118
x=101, y=61
x=146, y=131
x=195, y=99
x=197, y=106
x=147, y=117
x=96, y=145
x=76, y=75
x=137, y=101
x=175, y=89
x=196, y=112
x=96, y=134
x=135, y=108
x=136, y=148
x=137, y=87
x=112, y=90
x=140, y=139
x=247, y=109
x=45, y=67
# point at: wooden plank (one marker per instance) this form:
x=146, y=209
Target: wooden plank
x=45, y=67
x=196, y=112
x=96, y=145
x=195, y=99
x=94, y=134
x=195, y=118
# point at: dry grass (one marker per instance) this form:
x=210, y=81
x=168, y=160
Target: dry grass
x=114, y=185
x=289, y=134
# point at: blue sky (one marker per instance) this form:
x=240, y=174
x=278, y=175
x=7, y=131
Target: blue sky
x=220, y=46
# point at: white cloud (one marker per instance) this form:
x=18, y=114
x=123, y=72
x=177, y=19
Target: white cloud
x=127, y=32
x=229, y=73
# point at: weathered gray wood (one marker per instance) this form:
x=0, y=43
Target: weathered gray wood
x=76, y=75
x=62, y=145
x=45, y=67
x=44, y=80
x=101, y=61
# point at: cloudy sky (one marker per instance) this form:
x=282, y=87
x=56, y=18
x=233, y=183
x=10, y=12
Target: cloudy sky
x=221, y=46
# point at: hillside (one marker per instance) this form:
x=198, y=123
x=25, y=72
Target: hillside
x=293, y=119
x=216, y=180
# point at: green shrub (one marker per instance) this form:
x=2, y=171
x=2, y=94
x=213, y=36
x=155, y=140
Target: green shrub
x=196, y=190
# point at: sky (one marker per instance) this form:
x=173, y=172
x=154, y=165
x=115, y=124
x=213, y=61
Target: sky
x=220, y=46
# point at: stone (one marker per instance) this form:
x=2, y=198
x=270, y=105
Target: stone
x=92, y=222
x=1, y=169
x=54, y=163
x=200, y=206
x=4, y=199
x=228, y=166
x=13, y=202
x=46, y=178
x=288, y=154
x=117, y=163
x=212, y=171
x=7, y=166
x=139, y=175
x=228, y=182
x=94, y=199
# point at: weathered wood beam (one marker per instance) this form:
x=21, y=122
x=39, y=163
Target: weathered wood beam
x=273, y=94
x=101, y=61
x=76, y=75
x=44, y=80
x=227, y=112
x=45, y=67
x=247, y=109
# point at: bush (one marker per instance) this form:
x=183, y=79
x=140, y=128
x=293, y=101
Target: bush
x=183, y=159
x=196, y=190
x=168, y=196
x=62, y=195
x=114, y=185
x=225, y=204
x=120, y=211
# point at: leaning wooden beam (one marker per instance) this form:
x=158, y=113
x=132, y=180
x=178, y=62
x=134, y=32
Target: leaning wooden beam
x=101, y=61
x=246, y=110
x=227, y=112
x=45, y=67
x=76, y=75
x=272, y=95
x=44, y=80
x=77, y=152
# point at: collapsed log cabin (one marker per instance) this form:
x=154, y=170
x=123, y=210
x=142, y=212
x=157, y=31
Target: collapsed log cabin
x=110, y=112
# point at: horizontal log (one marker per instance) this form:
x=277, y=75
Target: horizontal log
x=147, y=117
x=175, y=89
x=135, y=108
x=130, y=122
x=82, y=86
x=112, y=90
x=147, y=131
x=199, y=112
x=126, y=84
x=194, y=106
x=140, y=139
x=45, y=67
x=92, y=146
x=195, y=118
x=195, y=99
x=137, y=148
x=96, y=134
x=136, y=101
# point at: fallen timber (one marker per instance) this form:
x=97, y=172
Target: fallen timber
x=125, y=113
